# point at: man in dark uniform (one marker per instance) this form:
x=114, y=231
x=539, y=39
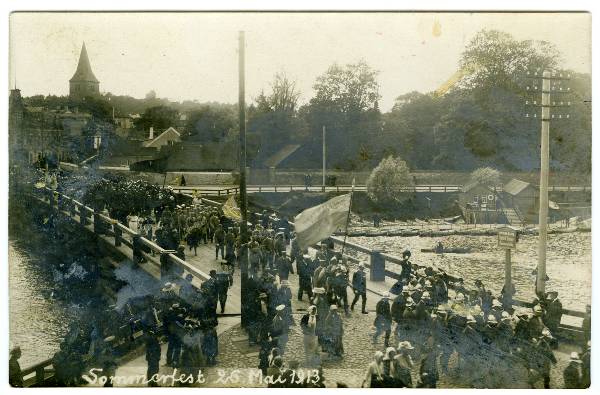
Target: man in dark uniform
x=209, y=288
x=359, y=286
x=172, y=320
x=223, y=280
x=283, y=266
x=152, y=355
x=219, y=240
x=572, y=375
x=15, y=377
x=305, y=271
x=406, y=265
x=230, y=245
x=383, y=320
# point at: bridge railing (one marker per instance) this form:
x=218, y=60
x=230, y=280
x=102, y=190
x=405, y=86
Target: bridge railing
x=378, y=271
x=102, y=224
x=37, y=374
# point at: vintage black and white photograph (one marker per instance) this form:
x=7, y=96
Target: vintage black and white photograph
x=300, y=199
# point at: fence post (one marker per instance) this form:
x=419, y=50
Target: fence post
x=82, y=215
x=137, y=250
x=118, y=234
x=165, y=265
x=377, y=263
x=40, y=375
x=96, y=222
x=73, y=208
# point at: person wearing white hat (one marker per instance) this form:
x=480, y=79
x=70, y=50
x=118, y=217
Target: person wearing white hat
x=359, y=286
x=280, y=327
x=308, y=324
x=383, y=319
x=403, y=365
x=334, y=332
x=572, y=374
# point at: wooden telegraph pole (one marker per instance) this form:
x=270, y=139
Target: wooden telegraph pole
x=243, y=198
x=551, y=83
x=324, y=156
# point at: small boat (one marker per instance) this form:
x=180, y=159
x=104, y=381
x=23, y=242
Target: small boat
x=456, y=250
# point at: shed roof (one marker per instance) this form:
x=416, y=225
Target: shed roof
x=514, y=186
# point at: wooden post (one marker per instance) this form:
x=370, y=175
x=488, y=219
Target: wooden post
x=137, y=250
x=96, y=216
x=165, y=265
x=118, y=234
x=40, y=375
x=377, y=263
x=540, y=285
x=508, y=275
x=82, y=215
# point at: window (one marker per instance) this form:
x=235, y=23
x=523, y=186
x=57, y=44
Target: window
x=475, y=199
x=483, y=200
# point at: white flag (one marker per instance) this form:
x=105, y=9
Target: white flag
x=318, y=223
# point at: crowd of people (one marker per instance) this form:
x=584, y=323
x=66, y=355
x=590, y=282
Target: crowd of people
x=432, y=317
x=429, y=324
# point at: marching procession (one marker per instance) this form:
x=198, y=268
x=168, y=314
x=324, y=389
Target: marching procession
x=428, y=326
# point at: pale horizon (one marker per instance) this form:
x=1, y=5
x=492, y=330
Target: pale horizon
x=193, y=56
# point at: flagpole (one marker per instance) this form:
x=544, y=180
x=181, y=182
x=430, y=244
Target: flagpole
x=348, y=216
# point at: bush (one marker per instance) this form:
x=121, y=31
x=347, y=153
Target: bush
x=486, y=176
x=384, y=185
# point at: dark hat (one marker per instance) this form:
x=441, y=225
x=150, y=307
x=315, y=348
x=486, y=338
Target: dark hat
x=406, y=253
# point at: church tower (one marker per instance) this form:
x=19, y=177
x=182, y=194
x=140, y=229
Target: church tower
x=84, y=82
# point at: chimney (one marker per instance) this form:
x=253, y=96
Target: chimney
x=151, y=133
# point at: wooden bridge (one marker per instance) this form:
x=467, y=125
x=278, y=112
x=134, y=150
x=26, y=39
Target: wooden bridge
x=383, y=269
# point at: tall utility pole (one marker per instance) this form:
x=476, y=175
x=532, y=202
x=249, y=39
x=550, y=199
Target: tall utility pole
x=540, y=284
x=550, y=84
x=243, y=198
x=324, y=156
x=242, y=153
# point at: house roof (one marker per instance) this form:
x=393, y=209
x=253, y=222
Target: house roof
x=514, y=186
x=470, y=186
x=170, y=131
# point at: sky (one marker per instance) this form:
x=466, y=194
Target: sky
x=193, y=56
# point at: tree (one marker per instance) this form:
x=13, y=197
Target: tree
x=273, y=120
x=487, y=176
x=346, y=103
x=385, y=183
x=351, y=89
x=212, y=123
x=160, y=117
x=495, y=58
x=283, y=97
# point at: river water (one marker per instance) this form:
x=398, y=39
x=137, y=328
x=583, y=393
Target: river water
x=37, y=320
x=569, y=262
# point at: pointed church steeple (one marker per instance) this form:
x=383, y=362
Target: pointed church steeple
x=84, y=82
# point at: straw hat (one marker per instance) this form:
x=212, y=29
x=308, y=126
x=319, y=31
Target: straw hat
x=319, y=290
x=405, y=345
x=386, y=295
x=575, y=357
x=333, y=307
x=281, y=307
